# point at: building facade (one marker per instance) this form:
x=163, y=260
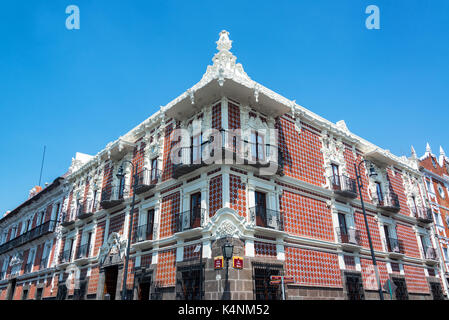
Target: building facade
x=436, y=180
x=230, y=162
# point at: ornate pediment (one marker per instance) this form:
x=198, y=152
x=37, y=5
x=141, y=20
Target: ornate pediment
x=113, y=251
x=226, y=223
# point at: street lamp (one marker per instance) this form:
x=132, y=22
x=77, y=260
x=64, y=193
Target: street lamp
x=120, y=175
x=359, y=185
x=227, y=249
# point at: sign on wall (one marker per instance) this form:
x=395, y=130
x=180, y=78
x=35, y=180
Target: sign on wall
x=237, y=262
x=218, y=262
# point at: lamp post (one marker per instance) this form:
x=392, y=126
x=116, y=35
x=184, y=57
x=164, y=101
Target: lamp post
x=359, y=185
x=227, y=249
x=121, y=176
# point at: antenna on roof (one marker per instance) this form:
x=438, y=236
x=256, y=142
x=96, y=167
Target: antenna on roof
x=42, y=167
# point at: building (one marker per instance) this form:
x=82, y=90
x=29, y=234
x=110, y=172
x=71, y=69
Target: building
x=28, y=245
x=232, y=163
x=436, y=180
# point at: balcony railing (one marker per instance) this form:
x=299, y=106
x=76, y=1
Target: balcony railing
x=233, y=150
x=189, y=219
x=85, y=210
x=28, y=267
x=422, y=214
x=388, y=201
x=344, y=186
x=65, y=256
x=348, y=235
x=112, y=196
x=146, y=180
x=67, y=218
x=429, y=253
x=394, y=245
x=267, y=218
x=32, y=234
x=83, y=251
x=143, y=233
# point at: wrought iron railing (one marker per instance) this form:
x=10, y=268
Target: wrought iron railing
x=83, y=251
x=343, y=183
x=32, y=234
x=422, y=213
x=394, y=245
x=267, y=218
x=112, y=196
x=144, y=232
x=387, y=200
x=65, y=256
x=429, y=253
x=348, y=235
x=189, y=219
x=148, y=176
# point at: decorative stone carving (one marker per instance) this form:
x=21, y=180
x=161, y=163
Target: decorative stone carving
x=226, y=229
x=113, y=250
x=333, y=153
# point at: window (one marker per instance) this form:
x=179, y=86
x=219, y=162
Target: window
x=195, y=156
x=401, y=289
x=257, y=150
x=379, y=191
x=154, y=169
x=195, y=210
x=39, y=293
x=190, y=286
x=342, y=224
x=354, y=286
x=262, y=288
x=437, y=293
x=261, y=208
x=441, y=191
x=335, y=175
x=445, y=254
x=434, y=163
x=25, y=294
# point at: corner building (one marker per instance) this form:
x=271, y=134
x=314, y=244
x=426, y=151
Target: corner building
x=303, y=220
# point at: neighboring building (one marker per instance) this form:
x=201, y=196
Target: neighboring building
x=287, y=202
x=28, y=244
x=436, y=178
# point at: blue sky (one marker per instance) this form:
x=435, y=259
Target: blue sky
x=77, y=90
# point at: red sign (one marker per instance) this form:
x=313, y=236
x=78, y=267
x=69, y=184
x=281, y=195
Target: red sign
x=218, y=262
x=237, y=262
x=276, y=278
x=289, y=279
x=275, y=282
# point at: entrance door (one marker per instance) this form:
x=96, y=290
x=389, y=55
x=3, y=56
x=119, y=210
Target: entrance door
x=144, y=290
x=190, y=284
x=261, y=209
x=263, y=289
x=110, y=282
x=401, y=289
x=195, y=210
x=343, y=227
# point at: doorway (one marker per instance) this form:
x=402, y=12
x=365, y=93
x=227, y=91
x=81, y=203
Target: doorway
x=110, y=281
x=12, y=288
x=144, y=288
x=261, y=209
x=195, y=210
x=262, y=288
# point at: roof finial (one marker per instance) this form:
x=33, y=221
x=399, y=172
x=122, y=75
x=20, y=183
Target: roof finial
x=428, y=149
x=414, y=156
x=223, y=43
x=442, y=153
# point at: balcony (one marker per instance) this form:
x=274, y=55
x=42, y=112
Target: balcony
x=143, y=233
x=344, y=186
x=394, y=247
x=188, y=220
x=66, y=220
x=348, y=237
x=65, y=256
x=430, y=255
x=34, y=233
x=112, y=196
x=86, y=209
x=146, y=180
x=82, y=253
x=192, y=158
x=388, y=202
x=267, y=218
x=422, y=214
